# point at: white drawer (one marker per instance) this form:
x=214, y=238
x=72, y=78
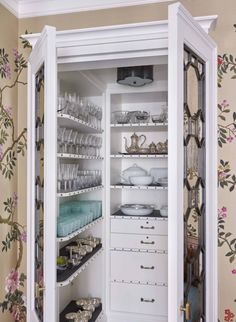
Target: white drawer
x=141, y=299
x=139, y=226
x=148, y=242
x=139, y=267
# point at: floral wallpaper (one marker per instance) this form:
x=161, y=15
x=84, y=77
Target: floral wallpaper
x=13, y=234
x=11, y=145
x=226, y=176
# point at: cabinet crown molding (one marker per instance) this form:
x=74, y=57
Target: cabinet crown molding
x=37, y=8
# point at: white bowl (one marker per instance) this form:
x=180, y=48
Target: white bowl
x=141, y=180
x=136, y=210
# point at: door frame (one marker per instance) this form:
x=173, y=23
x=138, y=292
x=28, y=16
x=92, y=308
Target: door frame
x=41, y=54
x=184, y=30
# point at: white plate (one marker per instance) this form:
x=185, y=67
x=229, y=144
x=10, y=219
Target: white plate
x=158, y=173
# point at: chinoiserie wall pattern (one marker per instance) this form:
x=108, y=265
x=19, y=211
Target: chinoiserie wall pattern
x=12, y=132
x=12, y=144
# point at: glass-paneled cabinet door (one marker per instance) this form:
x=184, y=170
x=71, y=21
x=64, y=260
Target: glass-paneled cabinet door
x=192, y=232
x=41, y=184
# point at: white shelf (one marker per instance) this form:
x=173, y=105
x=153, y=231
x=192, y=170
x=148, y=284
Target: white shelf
x=139, y=156
x=77, y=232
x=73, y=122
x=149, y=218
x=140, y=127
x=138, y=250
x=139, y=282
x=77, y=156
x=78, y=192
x=138, y=187
x=80, y=270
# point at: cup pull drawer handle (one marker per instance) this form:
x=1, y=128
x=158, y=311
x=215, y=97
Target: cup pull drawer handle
x=147, y=300
x=147, y=243
x=147, y=267
x=145, y=227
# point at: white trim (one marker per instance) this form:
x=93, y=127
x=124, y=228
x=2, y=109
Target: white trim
x=12, y=6
x=37, y=8
x=184, y=30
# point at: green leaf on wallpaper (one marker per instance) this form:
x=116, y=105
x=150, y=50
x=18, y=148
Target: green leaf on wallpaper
x=228, y=234
x=232, y=259
x=233, y=241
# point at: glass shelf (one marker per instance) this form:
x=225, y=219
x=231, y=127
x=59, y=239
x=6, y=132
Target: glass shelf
x=73, y=122
x=77, y=232
x=78, y=192
x=77, y=156
x=67, y=276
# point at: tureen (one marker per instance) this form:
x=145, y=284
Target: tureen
x=133, y=171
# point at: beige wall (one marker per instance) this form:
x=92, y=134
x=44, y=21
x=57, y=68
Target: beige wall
x=225, y=37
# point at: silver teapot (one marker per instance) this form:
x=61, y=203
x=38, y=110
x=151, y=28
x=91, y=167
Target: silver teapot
x=135, y=146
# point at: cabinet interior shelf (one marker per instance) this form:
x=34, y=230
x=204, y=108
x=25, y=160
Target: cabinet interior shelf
x=130, y=187
x=139, y=250
x=75, y=123
x=77, y=156
x=140, y=127
x=78, y=192
x=68, y=275
x=139, y=156
x=139, y=282
x=73, y=307
x=155, y=214
x=77, y=232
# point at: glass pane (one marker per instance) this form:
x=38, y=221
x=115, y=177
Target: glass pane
x=194, y=191
x=39, y=183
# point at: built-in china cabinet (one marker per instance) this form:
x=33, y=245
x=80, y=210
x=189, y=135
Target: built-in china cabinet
x=122, y=173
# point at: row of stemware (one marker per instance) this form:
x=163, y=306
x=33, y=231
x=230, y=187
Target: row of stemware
x=70, y=178
x=81, y=108
x=73, y=142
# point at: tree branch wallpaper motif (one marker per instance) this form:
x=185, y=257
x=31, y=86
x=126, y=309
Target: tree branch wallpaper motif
x=11, y=145
x=226, y=177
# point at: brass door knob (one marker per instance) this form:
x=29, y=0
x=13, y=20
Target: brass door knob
x=38, y=291
x=187, y=310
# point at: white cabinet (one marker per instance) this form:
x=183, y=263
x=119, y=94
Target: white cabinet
x=88, y=131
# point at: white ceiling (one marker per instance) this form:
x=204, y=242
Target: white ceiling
x=34, y=8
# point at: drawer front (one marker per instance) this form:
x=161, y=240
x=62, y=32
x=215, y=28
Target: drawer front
x=139, y=267
x=139, y=299
x=139, y=226
x=146, y=242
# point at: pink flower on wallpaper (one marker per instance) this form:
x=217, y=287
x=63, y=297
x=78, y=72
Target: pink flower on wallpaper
x=15, y=199
x=230, y=139
x=228, y=316
x=16, y=312
x=222, y=212
x=220, y=60
x=23, y=236
x=16, y=53
x=7, y=69
x=224, y=104
x=8, y=109
x=234, y=271
x=12, y=281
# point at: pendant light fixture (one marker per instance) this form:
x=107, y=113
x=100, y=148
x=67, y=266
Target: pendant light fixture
x=135, y=76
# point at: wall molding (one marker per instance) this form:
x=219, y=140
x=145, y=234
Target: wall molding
x=37, y=8
x=12, y=6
